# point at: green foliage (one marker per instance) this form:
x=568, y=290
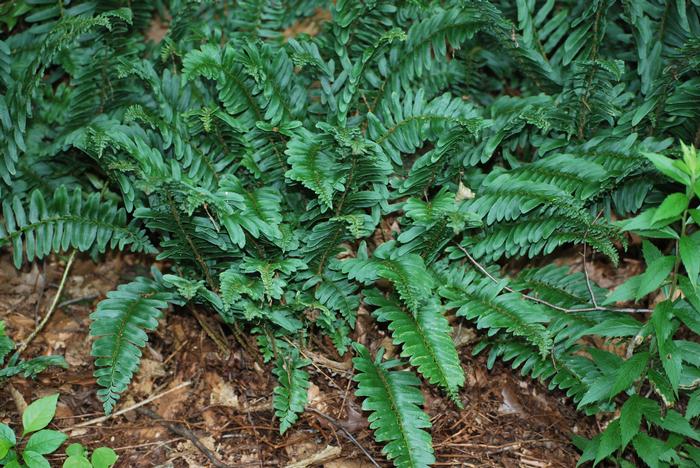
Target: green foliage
x=394, y=401
x=119, y=323
x=41, y=442
x=11, y=364
x=14, y=451
x=290, y=395
x=403, y=159
x=102, y=457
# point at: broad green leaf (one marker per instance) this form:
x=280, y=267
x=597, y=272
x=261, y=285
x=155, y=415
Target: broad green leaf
x=670, y=209
x=7, y=433
x=625, y=292
x=667, y=167
x=690, y=255
x=103, y=457
x=650, y=252
x=649, y=449
x=609, y=442
x=629, y=372
x=631, y=417
x=75, y=450
x=675, y=422
x=624, y=325
x=589, y=448
x=655, y=274
x=5, y=446
x=688, y=315
x=695, y=213
x=45, y=441
x=35, y=460
x=77, y=461
x=693, y=408
x=39, y=414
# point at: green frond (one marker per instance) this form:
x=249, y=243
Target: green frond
x=66, y=221
x=425, y=339
x=407, y=273
x=119, y=324
x=480, y=299
x=314, y=165
x=394, y=399
x=290, y=395
x=403, y=123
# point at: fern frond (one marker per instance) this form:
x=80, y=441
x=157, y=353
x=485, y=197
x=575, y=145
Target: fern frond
x=290, y=395
x=120, y=323
x=314, y=165
x=406, y=272
x=404, y=123
x=425, y=339
x=479, y=298
x=394, y=400
x=67, y=220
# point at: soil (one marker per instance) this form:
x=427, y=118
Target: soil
x=224, y=401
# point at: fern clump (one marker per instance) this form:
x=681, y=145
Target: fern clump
x=401, y=160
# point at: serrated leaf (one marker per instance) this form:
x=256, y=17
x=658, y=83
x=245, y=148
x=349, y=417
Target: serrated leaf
x=689, y=247
x=670, y=209
x=609, y=442
x=667, y=167
x=655, y=274
x=629, y=372
x=693, y=408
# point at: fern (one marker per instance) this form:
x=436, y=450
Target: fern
x=291, y=394
x=394, y=400
x=67, y=220
x=120, y=323
x=282, y=163
x=425, y=339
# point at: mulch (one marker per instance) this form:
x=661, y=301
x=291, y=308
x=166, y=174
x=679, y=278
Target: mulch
x=224, y=403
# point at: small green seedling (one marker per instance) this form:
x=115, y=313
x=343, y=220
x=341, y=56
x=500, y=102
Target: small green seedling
x=102, y=457
x=42, y=441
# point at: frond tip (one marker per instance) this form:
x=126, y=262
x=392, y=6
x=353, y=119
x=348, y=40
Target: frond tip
x=291, y=394
x=394, y=400
x=119, y=323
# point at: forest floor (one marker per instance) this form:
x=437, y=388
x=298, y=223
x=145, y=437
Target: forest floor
x=225, y=401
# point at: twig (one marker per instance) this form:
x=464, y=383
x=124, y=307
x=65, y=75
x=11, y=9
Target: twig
x=75, y=300
x=186, y=433
x=218, y=340
x=585, y=257
x=52, y=308
x=588, y=279
x=347, y=434
x=542, y=301
x=129, y=408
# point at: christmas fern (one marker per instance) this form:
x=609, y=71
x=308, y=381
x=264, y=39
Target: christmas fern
x=394, y=401
x=120, y=323
x=431, y=163
x=291, y=394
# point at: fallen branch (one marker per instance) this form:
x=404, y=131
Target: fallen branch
x=483, y=270
x=129, y=408
x=186, y=433
x=52, y=308
x=347, y=434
